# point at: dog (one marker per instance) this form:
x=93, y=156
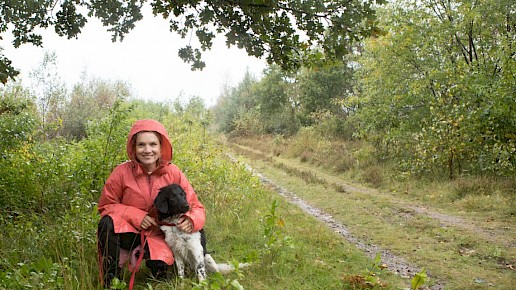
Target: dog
x=189, y=249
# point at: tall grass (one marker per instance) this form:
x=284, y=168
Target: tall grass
x=54, y=246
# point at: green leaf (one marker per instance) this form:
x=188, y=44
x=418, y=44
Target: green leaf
x=419, y=279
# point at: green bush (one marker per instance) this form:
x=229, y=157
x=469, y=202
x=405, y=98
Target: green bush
x=373, y=175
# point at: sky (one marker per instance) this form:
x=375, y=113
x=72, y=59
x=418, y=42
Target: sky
x=146, y=59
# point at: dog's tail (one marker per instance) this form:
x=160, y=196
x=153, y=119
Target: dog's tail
x=223, y=268
x=210, y=264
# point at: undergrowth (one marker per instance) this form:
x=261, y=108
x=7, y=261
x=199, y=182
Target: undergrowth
x=49, y=217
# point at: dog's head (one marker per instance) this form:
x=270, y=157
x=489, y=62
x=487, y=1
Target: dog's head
x=171, y=201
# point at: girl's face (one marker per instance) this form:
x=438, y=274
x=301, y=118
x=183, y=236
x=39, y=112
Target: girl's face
x=148, y=150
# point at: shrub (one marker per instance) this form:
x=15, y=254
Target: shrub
x=305, y=141
x=373, y=175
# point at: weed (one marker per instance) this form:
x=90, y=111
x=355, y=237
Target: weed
x=305, y=157
x=370, y=278
x=272, y=225
x=344, y=163
x=217, y=281
x=339, y=188
x=418, y=280
x=473, y=186
x=278, y=143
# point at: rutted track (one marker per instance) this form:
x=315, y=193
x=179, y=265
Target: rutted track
x=492, y=235
x=400, y=211
x=394, y=263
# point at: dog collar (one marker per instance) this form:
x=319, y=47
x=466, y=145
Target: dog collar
x=161, y=223
x=167, y=224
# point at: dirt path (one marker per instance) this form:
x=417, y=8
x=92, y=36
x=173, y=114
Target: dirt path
x=394, y=263
x=459, y=251
x=493, y=234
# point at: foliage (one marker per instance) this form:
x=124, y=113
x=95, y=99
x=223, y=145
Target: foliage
x=282, y=31
x=321, y=88
x=234, y=102
x=438, y=88
x=106, y=147
x=50, y=91
x=217, y=281
x=50, y=187
x=275, y=103
x=370, y=278
x=248, y=123
x=90, y=100
x=434, y=94
x=384, y=212
x=280, y=102
x=18, y=117
x=257, y=107
x=272, y=225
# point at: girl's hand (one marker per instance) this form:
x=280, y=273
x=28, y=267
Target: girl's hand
x=185, y=224
x=148, y=222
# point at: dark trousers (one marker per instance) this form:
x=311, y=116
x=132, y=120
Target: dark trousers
x=110, y=244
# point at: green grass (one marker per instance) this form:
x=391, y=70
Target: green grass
x=459, y=256
x=288, y=249
x=298, y=252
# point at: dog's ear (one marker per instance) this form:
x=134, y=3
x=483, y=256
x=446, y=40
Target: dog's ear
x=178, y=189
x=161, y=203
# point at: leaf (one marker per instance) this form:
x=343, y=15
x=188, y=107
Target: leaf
x=377, y=259
x=236, y=285
x=419, y=279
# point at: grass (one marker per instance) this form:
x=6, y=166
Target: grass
x=288, y=249
x=246, y=222
x=455, y=254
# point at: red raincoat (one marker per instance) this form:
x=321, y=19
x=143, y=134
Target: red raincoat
x=129, y=193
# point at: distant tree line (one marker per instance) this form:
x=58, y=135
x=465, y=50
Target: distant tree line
x=436, y=92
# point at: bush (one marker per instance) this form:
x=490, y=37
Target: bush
x=305, y=142
x=18, y=117
x=373, y=175
x=247, y=124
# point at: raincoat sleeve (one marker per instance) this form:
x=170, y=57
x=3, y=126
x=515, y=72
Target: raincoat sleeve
x=110, y=203
x=197, y=213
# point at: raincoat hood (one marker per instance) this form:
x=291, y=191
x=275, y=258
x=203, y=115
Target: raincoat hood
x=155, y=126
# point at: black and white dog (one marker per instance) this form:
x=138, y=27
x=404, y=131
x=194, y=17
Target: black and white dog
x=189, y=249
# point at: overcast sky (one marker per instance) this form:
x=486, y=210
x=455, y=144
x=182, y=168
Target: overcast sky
x=146, y=59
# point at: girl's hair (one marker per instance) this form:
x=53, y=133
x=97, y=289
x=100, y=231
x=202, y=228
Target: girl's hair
x=160, y=138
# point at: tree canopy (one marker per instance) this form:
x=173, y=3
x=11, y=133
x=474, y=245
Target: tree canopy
x=285, y=32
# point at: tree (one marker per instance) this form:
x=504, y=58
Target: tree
x=50, y=92
x=322, y=88
x=438, y=88
x=233, y=103
x=275, y=101
x=90, y=100
x=283, y=31
x=18, y=117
